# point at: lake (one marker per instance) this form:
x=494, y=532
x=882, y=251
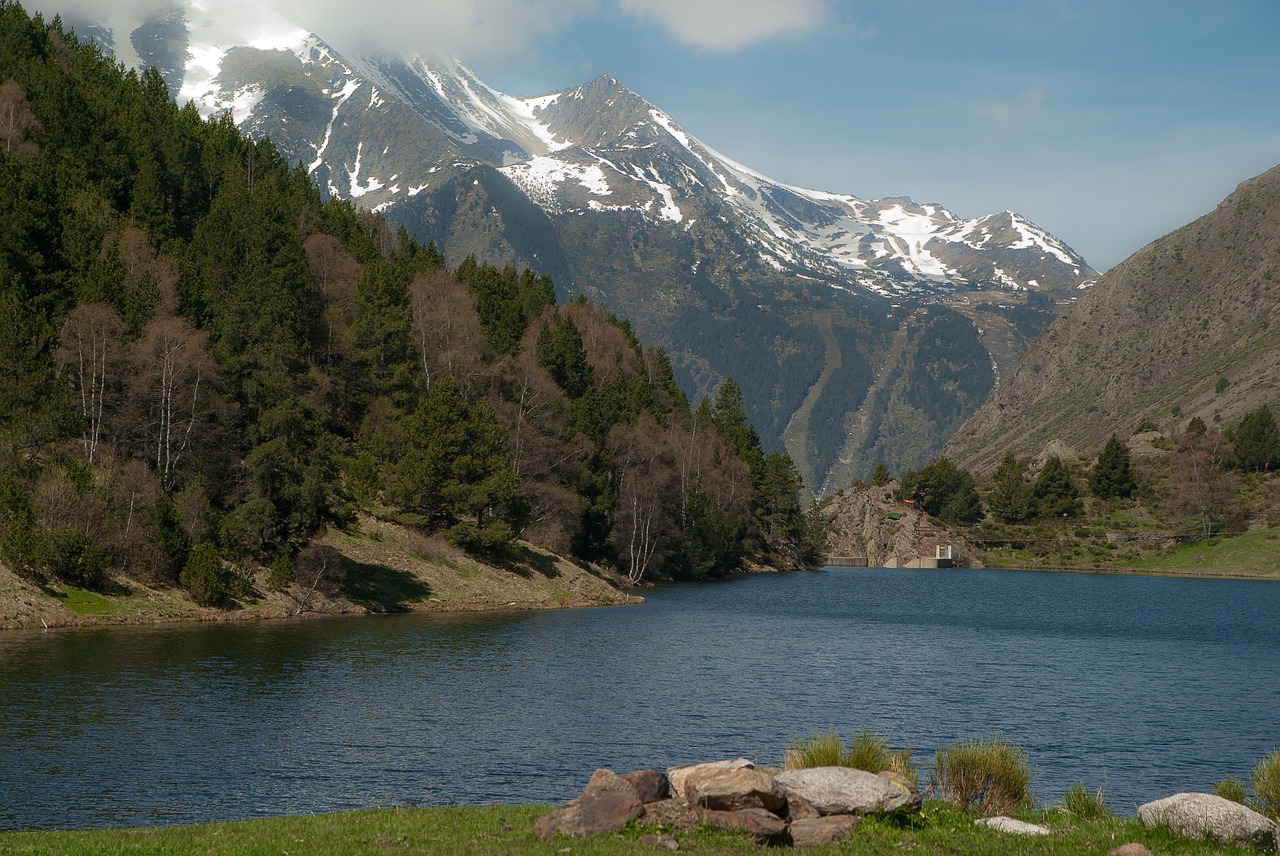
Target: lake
x=1143, y=685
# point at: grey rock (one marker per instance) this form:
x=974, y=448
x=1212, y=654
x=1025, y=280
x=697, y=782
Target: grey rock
x=1193, y=815
x=844, y=790
x=731, y=790
x=832, y=829
x=1012, y=826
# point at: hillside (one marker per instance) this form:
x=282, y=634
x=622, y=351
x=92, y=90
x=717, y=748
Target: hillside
x=208, y=368
x=1188, y=327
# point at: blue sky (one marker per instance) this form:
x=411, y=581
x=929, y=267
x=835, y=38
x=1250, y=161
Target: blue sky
x=1108, y=122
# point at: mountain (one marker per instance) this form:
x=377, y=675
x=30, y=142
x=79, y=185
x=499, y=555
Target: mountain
x=1187, y=327
x=861, y=331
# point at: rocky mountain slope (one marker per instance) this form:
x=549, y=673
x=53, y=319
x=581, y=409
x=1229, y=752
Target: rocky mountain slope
x=1187, y=327
x=861, y=331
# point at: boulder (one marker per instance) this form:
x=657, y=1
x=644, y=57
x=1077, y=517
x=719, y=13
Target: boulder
x=1191, y=815
x=674, y=812
x=676, y=776
x=844, y=790
x=607, y=804
x=650, y=785
x=764, y=826
x=731, y=790
x=1012, y=826
x=832, y=829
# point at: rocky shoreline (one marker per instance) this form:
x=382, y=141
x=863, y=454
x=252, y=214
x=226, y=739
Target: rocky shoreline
x=824, y=805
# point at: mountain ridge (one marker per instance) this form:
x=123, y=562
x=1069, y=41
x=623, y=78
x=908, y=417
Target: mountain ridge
x=603, y=191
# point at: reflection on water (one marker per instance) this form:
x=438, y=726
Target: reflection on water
x=1146, y=685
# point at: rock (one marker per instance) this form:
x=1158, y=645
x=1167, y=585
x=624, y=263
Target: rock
x=833, y=829
x=764, y=826
x=899, y=780
x=650, y=785
x=799, y=808
x=844, y=790
x=1191, y=815
x=662, y=842
x=1131, y=849
x=1012, y=826
x=676, y=776
x=674, y=812
x=731, y=790
x=606, y=804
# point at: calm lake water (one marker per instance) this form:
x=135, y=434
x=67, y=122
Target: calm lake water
x=1145, y=685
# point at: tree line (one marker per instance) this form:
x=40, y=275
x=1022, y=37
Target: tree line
x=205, y=363
x=1196, y=486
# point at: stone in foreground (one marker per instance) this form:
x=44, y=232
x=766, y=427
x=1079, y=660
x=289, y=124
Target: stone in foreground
x=607, y=804
x=1192, y=815
x=1012, y=826
x=844, y=790
x=674, y=812
x=678, y=775
x=662, y=842
x=651, y=785
x=832, y=829
x=764, y=826
x=732, y=790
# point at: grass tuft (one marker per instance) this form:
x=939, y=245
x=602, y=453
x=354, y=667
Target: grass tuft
x=866, y=751
x=1266, y=784
x=1080, y=802
x=990, y=776
x=1231, y=788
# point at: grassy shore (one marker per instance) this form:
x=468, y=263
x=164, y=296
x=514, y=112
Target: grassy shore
x=492, y=830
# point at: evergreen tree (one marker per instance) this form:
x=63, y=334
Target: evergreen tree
x=1257, y=440
x=881, y=476
x=1112, y=475
x=1011, y=498
x=1054, y=492
x=943, y=490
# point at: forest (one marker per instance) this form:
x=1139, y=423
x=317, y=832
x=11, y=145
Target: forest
x=204, y=364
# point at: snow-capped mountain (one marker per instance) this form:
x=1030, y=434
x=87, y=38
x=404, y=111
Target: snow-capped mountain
x=608, y=194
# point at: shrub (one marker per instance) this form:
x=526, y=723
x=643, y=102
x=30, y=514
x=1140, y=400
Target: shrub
x=1079, y=802
x=1266, y=783
x=989, y=775
x=1231, y=788
x=205, y=577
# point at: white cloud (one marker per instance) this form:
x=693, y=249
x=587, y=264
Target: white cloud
x=728, y=25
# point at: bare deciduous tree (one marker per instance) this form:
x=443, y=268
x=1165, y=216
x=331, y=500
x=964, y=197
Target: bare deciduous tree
x=89, y=353
x=17, y=122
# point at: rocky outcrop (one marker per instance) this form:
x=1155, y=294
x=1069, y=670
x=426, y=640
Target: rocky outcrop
x=802, y=807
x=1194, y=815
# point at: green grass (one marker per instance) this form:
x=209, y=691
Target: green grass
x=86, y=602
x=1250, y=554
x=493, y=830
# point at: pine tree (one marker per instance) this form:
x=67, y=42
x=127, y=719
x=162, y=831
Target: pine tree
x=1112, y=475
x=1054, y=492
x=1257, y=440
x=1011, y=498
